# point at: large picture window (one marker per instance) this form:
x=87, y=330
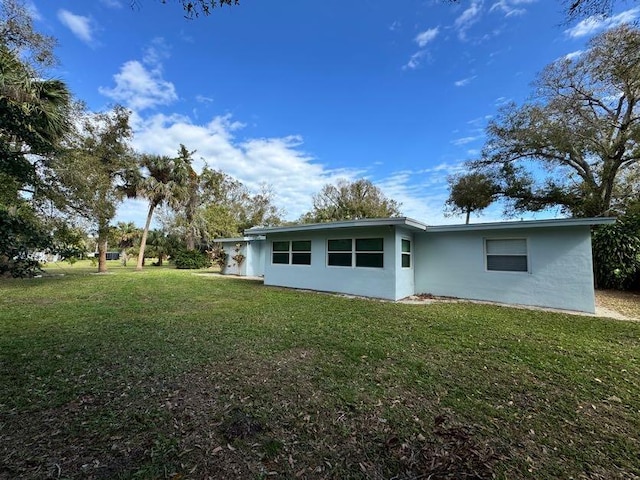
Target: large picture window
x=296, y=252
x=507, y=255
x=361, y=252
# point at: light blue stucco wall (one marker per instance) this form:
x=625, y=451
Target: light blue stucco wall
x=255, y=258
x=370, y=282
x=560, y=267
x=253, y=251
x=231, y=267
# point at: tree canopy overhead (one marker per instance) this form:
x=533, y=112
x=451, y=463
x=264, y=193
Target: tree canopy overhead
x=349, y=201
x=576, y=145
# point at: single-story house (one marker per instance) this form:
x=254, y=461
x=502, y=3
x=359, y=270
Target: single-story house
x=244, y=256
x=546, y=263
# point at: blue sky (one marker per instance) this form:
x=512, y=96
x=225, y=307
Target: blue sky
x=296, y=94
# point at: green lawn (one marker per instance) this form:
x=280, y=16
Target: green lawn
x=169, y=374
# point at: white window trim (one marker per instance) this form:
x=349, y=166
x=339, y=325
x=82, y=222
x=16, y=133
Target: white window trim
x=410, y=253
x=354, y=251
x=486, y=255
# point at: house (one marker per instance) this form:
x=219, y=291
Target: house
x=544, y=263
x=244, y=256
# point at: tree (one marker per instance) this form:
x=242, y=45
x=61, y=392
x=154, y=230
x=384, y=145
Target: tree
x=17, y=35
x=472, y=192
x=583, y=131
x=218, y=205
x=125, y=235
x=97, y=163
x=349, y=201
x=34, y=120
x=159, y=245
x=195, y=8
x=165, y=182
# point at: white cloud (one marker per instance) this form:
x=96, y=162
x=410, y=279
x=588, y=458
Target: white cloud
x=80, y=26
x=573, y=55
x=427, y=36
x=138, y=87
x=395, y=26
x=592, y=25
x=465, y=81
x=415, y=60
x=465, y=140
x=156, y=52
x=203, y=99
x=467, y=18
x=112, y=3
x=511, y=8
x=281, y=162
x=33, y=10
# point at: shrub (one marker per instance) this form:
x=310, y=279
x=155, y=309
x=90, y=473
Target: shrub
x=191, y=259
x=616, y=254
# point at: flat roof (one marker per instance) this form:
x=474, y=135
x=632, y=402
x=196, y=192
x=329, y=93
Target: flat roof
x=417, y=225
x=361, y=222
x=237, y=239
x=554, y=222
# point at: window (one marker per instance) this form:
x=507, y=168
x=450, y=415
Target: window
x=296, y=252
x=406, y=253
x=368, y=252
x=340, y=252
x=507, y=255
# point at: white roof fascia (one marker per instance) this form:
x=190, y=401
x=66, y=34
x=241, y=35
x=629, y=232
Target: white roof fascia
x=238, y=239
x=363, y=222
x=558, y=222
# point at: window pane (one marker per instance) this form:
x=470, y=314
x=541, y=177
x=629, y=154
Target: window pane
x=369, y=244
x=280, y=246
x=406, y=246
x=301, y=246
x=342, y=245
x=406, y=260
x=281, y=258
x=301, y=258
x=507, y=263
x=339, y=259
x=369, y=260
x=517, y=246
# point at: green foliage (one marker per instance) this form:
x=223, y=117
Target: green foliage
x=69, y=242
x=191, y=260
x=349, y=201
x=576, y=146
x=472, y=192
x=616, y=254
x=21, y=234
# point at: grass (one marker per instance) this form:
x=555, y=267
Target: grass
x=168, y=374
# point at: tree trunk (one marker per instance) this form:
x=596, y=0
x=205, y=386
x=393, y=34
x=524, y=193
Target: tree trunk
x=468, y=214
x=143, y=241
x=102, y=254
x=191, y=242
x=123, y=257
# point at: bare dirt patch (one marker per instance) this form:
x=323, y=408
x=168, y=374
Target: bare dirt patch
x=624, y=303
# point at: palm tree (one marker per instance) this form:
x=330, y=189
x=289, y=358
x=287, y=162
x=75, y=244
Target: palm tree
x=33, y=114
x=165, y=183
x=125, y=235
x=159, y=244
